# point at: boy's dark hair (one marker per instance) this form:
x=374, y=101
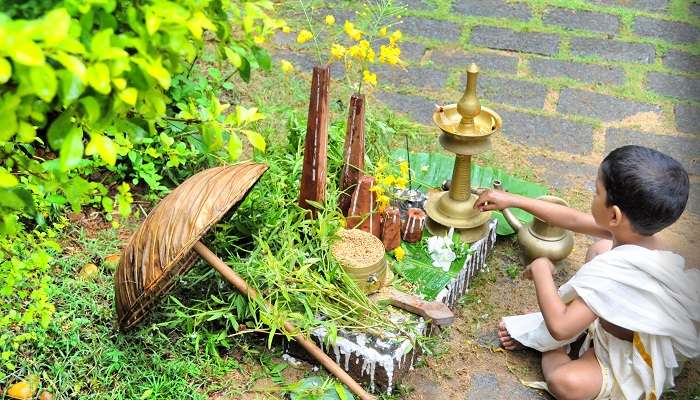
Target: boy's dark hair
x=649, y=187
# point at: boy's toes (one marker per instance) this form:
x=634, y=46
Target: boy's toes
x=507, y=342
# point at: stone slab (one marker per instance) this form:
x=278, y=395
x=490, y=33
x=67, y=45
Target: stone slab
x=509, y=91
x=420, y=77
x=674, y=86
x=566, y=174
x=505, y=39
x=671, y=31
x=492, y=8
x=415, y=4
x=431, y=29
x=410, y=51
x=645, y=5
x=693, y=205
x=613, y=50
x=682, y=61
x=687, y=118
x=583, y=72
x=580, y=19
x=547, y=132
x=600, y=106
x=694, y=9
x=487, y=62
x=685, y=150
x=487, y=385
x=418, y=108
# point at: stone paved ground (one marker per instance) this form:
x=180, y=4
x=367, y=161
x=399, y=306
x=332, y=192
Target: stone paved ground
x=571, y=79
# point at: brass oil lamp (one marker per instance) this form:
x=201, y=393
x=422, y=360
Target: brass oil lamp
x=466, y=131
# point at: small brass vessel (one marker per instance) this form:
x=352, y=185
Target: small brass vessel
x=466, y=131
x=540, y=239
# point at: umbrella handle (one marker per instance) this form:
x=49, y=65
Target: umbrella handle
x=240, y=284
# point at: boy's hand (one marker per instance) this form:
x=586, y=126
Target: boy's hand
x=491, y=199
x=538, y=266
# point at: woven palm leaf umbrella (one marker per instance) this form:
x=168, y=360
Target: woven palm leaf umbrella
x=167, y=244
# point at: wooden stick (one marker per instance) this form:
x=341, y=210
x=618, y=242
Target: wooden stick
x=240, y=284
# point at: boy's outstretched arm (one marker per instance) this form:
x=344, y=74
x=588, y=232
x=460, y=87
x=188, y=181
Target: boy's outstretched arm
x=564, y=321
x=554, y=214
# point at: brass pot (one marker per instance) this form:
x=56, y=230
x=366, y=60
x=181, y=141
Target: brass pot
x=540, y=239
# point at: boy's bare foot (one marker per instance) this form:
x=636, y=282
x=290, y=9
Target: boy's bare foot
x=507, y=342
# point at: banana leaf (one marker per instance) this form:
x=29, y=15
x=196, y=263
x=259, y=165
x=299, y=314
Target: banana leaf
x=418, y=269
x=429, y=170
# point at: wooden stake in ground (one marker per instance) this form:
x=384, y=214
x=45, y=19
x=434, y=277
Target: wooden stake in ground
x=354, y=151
x=313, y=174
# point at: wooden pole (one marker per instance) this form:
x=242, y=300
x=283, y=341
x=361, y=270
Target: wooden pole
x=313, y=174
x=354, y=151
x=240, y=284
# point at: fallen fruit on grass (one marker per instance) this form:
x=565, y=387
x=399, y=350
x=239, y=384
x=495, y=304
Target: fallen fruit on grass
x=111, y=261
x=46, y=395
x=88, y=271
x=21, y=390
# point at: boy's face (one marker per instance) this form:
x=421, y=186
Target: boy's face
x=601, y=213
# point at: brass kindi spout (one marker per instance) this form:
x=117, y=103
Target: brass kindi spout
x=540, y=239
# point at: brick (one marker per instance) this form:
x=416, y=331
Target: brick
x=687, y=118
x=487, y=62
x=676, y=32
x=431, y=29
x=589, y=73
x=685, y=150
x=411, y=76
x=579, y=19
x=674, y=86
x=646, y=5
x=566, y=174
x=613, y=50
x=505, y=39
x=600, y=106
x=682, y=61
x=493, y=8
x=508, y=91
x=418, y=108
x=554, y=133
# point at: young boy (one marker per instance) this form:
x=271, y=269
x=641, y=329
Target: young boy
x=637, y=304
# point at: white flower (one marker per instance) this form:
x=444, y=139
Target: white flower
x=440, y=250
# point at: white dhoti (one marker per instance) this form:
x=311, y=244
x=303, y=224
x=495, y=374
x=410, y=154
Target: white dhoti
x=645, y=291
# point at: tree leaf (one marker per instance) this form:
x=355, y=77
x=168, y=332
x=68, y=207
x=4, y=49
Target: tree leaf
x=72, y=64
x=92, y=107
x=262, y=57
x=255, y=139
x=71, y=149
x=129, y=96
x=56, y=24
x=26, y=52
x=212, y=136
x=7, y=180
x=8, y=124
x=104, y=146
x=44, y=82
x=26, y=132
x=71, y=87
x=233, y=57
x=5, y=70
x=98, y=77
x=235, y=147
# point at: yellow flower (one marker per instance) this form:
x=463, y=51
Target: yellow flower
x=395, y=37
x=286, y=29
x=304, y=36
x=369, y=77
x=381, y=167
x=330, y=20
x=343, y=222
x=259, y=39
x=287, y=67
x=404, y=169
x=388, y=181
x=382, y=202
x=377, y=189
x=338, y=51
x=389, y=54
x=399, y=253
x=382, y=32
x=351, y=31
x=401, y=182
